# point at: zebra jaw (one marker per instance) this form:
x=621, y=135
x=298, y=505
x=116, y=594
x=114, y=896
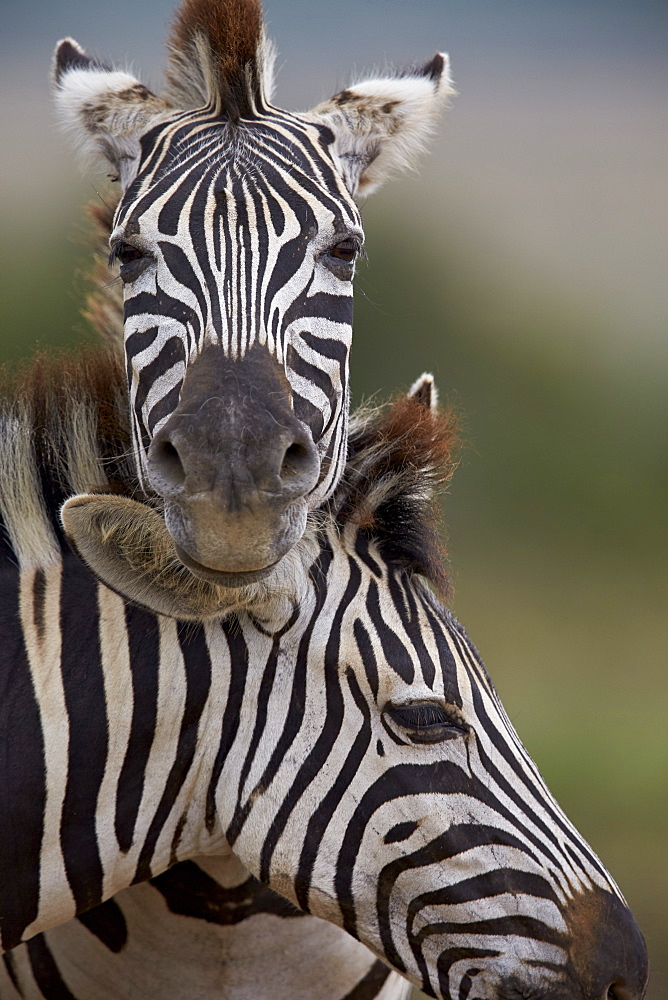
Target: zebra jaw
x=127, y=546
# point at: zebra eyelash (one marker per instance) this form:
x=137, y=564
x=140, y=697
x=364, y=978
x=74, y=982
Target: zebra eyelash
x=132, y=253
x=133, y=261
x=426, y=722
x=356, y=239
x=343, y=267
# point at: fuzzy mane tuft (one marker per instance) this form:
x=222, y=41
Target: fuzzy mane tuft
x=217, y=56
x=76, y=403
x=399, y=458
x=63, y=430
x=104, y=302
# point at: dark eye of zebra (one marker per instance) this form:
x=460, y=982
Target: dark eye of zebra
x=133, y=262
x=345, y=250
x=426, y=722
x=341, y=257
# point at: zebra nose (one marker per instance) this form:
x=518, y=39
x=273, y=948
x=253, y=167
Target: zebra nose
x=181, y=464
x=608, y=952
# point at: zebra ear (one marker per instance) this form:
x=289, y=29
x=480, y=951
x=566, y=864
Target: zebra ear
x=425, y=391
x=126, y=545
x=108, y=110
x=381, y=125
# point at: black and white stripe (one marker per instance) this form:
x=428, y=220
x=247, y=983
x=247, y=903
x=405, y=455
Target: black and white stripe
x=204, y=929
x=353, y=755
x=237, y=234
x=237, y=230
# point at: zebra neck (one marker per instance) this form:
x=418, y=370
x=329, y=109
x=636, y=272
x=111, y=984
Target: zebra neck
x=102, y=725
x=204, y=928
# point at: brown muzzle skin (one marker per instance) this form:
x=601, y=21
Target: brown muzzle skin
x=608, y=952
x=234, y=466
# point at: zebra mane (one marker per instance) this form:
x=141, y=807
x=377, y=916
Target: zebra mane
x=75, y=406
x=104, y=302
x=219, y=56
x=400, y=457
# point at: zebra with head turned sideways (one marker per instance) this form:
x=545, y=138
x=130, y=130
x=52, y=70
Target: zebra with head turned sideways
x=340, y=740
x=237, y=234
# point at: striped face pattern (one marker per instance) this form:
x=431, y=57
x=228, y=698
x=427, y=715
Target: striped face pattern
x=243, y=237
x=237, y=236
x=395, y=799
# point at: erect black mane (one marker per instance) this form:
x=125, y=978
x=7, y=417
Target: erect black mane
x=216, y=55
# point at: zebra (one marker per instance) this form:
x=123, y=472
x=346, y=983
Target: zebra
x=105, y=942
x=237, y=234
x=343, y=743
x=200, y=929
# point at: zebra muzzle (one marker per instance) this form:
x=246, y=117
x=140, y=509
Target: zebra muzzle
x=235, y=467
x=127, y=546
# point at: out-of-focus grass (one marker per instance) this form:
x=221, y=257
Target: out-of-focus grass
x=557, y=527
x=43, y=286
x=554, y=516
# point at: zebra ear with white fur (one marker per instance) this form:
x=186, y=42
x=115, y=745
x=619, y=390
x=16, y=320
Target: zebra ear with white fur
x=425, y=391
x=381, y=125
x=127, y=546
x=108, y=110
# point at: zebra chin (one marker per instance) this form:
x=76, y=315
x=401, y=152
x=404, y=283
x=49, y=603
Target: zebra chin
x=233, y=549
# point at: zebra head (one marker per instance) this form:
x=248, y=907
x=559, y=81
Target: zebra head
x=396, y=799
x=237, y=235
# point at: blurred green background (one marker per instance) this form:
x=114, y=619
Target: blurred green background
x=525, y=266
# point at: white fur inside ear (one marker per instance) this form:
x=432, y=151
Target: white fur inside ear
x=424, y=389
x=381, y=125
x=80, y=85
x=106, y=111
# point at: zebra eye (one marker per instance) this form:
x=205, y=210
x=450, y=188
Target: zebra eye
x=345, y=250
x=340, y=258
x=426, y=722
x=133, y=262
x=125, y=252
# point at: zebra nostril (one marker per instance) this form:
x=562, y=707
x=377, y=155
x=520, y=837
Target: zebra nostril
x=299, y=467
x=618, y=992
x=166, y=460
x=296, y=456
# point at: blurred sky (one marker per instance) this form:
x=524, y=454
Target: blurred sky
x=554, y=154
